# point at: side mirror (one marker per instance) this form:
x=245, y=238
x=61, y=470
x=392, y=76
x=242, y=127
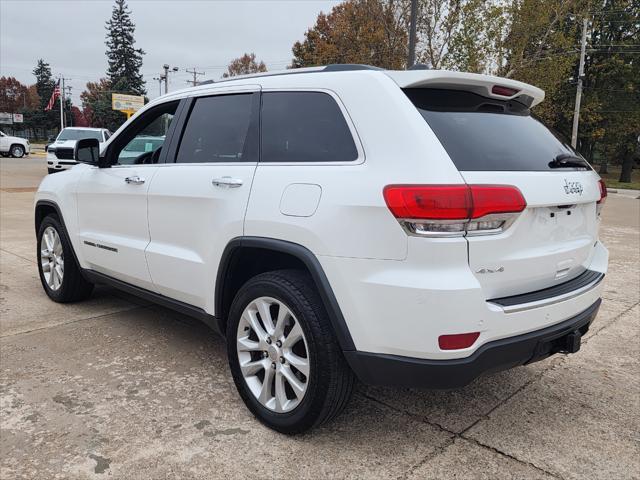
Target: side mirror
x=87, y=150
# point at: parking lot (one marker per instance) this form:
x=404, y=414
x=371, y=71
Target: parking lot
x=117, y=387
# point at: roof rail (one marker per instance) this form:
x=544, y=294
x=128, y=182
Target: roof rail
x=346, y=67
x=336, y=67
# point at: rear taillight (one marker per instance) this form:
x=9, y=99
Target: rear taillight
x=603, y=196
x=454, y=210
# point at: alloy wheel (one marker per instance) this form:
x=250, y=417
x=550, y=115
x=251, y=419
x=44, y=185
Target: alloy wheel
x=273, y=354
x=17, y=151
x=52, y=258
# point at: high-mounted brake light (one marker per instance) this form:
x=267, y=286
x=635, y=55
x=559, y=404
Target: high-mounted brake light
x=503, y=91
x=458, y=341
x=454, y=210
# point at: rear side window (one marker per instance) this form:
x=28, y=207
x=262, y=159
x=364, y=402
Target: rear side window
x=218, y=130
x=304, y=127
x=483, y=134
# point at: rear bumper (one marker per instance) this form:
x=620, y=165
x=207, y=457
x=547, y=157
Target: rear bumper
x=394, y=370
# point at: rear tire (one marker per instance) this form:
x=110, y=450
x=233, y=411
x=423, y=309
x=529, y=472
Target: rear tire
x=317, y=380
x=60, y=275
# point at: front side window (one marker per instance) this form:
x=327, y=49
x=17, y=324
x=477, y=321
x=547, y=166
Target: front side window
x=219, y=129
x=142, y=142
x=304, y=127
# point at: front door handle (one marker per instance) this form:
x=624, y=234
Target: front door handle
x=227, y=182
x=134, y=180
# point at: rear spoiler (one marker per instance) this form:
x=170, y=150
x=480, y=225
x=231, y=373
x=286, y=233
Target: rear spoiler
x=485, y=85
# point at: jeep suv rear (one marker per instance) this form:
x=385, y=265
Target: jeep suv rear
x=410, y=228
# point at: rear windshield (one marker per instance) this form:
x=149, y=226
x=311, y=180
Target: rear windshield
x=481, y=134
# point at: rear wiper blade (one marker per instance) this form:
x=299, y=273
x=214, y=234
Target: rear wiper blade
x=568, y=160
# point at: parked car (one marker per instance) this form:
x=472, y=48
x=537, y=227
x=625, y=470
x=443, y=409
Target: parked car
x=60, y=152
x=14, y=146
x=406, y=228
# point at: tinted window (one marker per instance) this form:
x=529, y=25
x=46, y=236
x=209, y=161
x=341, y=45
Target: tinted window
x=304, y=127
x=485, y=134
x=217, y=130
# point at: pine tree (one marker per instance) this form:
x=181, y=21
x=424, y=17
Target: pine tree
x=44, y=82
x=124, y=59
x=44, y=87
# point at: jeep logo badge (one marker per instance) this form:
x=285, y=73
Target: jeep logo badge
x=572, y=187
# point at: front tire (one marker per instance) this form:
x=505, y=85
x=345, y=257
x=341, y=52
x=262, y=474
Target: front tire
x=59, y=273
x=283, y=354
x=17, y=151
x=51, y=170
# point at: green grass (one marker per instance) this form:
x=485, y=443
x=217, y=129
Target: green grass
x=611, y=178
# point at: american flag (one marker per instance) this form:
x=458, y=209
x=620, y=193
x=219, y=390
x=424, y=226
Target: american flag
x=54, y=97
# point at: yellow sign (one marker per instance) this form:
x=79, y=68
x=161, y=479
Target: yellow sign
x=128, y=104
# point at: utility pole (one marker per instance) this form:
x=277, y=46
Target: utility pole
x=195, y=74
x=576, y=111
x=412, y=34
x=160, y=79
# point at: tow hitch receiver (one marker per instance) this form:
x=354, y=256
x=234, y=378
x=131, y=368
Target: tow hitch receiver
x=572, y=342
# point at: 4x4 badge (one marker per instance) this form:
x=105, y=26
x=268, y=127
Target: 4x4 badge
x=491, y=270
x=572, y=187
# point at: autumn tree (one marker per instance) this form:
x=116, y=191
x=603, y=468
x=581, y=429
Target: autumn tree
x=96, y=105
x=610, y=122
x=544, y=49
x=244, y=65
x=15, y=97
x=372, y=32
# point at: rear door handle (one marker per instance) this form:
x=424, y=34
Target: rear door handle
x=134, y=180
x=227, y=182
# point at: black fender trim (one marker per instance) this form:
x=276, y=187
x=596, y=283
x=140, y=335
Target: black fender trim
x=55, y=206
x=176, y=305
x=307, y=258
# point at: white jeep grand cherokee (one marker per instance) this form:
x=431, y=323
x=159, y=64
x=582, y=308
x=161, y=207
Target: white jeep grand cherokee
x=410, y=228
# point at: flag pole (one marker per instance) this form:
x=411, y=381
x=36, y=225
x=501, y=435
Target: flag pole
x=61, y=105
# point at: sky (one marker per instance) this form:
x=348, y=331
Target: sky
x=205, y=34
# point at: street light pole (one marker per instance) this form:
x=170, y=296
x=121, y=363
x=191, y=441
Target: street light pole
x=412, y=34
x=166, y=76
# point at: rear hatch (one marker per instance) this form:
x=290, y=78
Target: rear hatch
x=497, y=141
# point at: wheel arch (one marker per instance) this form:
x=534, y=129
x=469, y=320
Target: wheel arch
x=44, y=208
x=244, y=257
x=47, y=207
